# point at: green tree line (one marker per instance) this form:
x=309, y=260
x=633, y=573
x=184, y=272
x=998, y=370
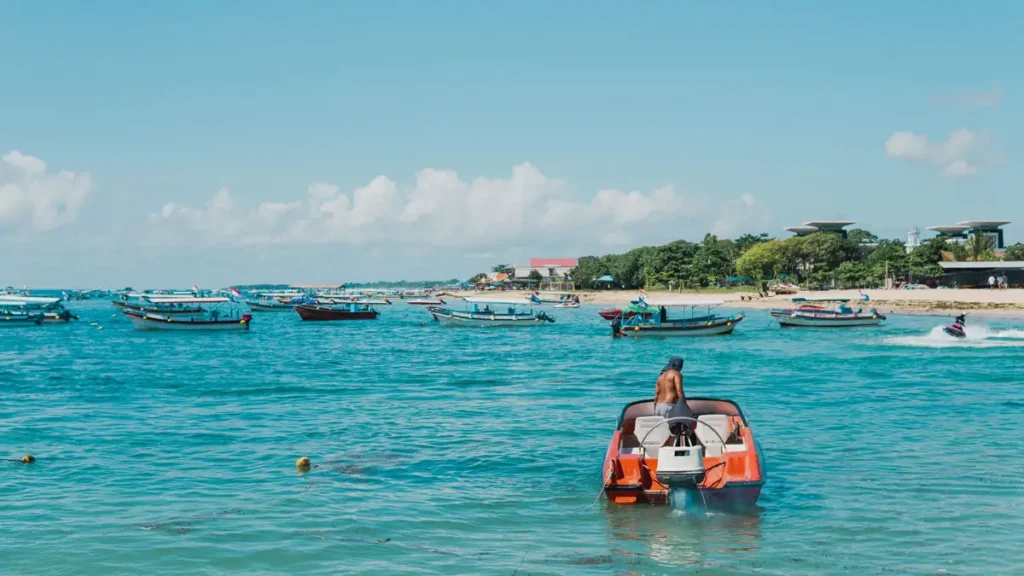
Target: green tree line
x=819, y=260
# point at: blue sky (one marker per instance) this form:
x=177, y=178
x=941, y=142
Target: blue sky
x=216, y=143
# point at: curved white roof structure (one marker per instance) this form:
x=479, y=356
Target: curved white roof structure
x=802, y=229
x=830, y=224
x=983, y=223
x=953, y=229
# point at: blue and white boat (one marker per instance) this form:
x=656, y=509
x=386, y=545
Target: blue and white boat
x=812, y=312
x=487, y=312
x=33, y=310
x=207, y=313
x=697, y=320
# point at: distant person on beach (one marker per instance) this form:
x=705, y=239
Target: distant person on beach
x=669, y=388
x=1006, y=281
x=991, y=282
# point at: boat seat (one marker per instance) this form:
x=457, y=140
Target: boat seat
x=713, y=445
x=659, y=433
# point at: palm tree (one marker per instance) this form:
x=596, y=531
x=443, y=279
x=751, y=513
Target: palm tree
x=502, y=269
x=980, y=247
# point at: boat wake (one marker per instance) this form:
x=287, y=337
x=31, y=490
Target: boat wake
x=978, y=336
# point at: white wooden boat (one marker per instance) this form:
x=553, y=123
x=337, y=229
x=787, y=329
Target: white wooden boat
x=810, y=314
x=660, y=324
x=487, y=312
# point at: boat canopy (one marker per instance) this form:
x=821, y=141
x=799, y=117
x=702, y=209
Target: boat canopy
x=24, y=300
x=183, y=299
x=477, y=300
x=684, y=303
x=822, y=299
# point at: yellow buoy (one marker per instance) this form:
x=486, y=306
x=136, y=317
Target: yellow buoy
x=28, y=459
x=303, y=464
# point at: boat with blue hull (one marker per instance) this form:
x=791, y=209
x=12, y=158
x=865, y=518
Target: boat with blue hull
x=489, y=312
x=697, y=320
x=813, y=313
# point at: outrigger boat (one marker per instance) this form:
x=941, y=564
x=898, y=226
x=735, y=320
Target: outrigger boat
x=330, y=309
x=811, y=313
x=710, y=453
x=490, y=312
x=217, y=314
x=425, y=302
x=552, y=297
x=28, y=310
x=659, y=324
x=271, y=301
x=176, y=306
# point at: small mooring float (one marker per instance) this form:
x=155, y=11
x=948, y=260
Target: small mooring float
x=696, y=320
x=811, y=313
x=210, y=313
x=487, y=312
x=710, y=455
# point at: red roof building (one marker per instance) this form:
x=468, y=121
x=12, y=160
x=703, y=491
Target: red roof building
x=553, y=262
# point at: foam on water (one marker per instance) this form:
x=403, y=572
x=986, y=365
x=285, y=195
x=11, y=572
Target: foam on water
x=978, y=336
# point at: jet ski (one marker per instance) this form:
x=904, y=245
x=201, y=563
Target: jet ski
x=956, y=329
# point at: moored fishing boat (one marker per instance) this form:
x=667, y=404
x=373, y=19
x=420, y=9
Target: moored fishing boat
x=206, y=313
x=488, y=312
x=811, y=313
x=269, y=301
x=16, y=310
x=658, y=323
x=426, y=302
x=322, y=310
x=711, y=454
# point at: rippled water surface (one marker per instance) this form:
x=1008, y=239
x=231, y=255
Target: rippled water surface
x=458, y=451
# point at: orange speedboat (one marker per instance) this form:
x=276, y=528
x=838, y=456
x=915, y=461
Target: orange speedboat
x=711, y=454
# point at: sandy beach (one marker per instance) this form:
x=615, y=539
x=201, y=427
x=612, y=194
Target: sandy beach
x=1007, y=303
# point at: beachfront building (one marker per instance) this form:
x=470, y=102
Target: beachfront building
x=961, y=231
x=555, y=273
x=836, y=226
x=976, y=274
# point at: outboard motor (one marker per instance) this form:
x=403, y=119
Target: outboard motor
x=681, y=464
x=616, y=328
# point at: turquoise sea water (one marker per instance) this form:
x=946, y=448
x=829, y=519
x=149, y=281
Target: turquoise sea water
x=459, y=451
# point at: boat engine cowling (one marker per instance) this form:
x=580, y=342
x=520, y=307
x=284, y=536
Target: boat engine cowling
x=681, y=465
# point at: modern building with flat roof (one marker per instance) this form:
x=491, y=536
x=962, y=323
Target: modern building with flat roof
x=810, y=227
x=963, y=230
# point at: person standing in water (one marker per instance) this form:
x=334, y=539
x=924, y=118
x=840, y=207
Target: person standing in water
x=668, y=390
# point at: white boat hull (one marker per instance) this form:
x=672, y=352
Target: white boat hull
x=805, y=321
x=484, y=322
x=179, y=325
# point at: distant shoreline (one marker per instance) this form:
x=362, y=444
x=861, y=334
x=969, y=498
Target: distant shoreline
x=980, y=302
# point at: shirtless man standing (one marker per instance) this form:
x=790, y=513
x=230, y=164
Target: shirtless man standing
x=669, y=388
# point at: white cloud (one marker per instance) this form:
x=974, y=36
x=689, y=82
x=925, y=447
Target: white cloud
x=438, y=209
x=33, y=199
x=739, y=216
x=950, y=155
